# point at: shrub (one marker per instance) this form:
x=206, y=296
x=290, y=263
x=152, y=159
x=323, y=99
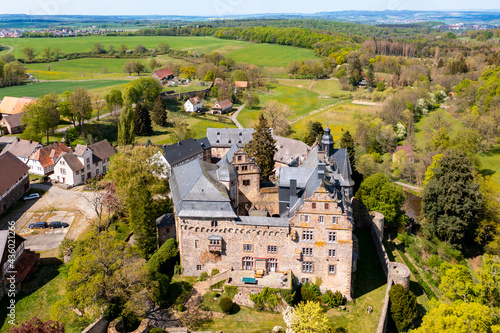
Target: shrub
x=226, y=304
x=180, y=307
x=230, y=291
x=333, y=299
x=214, y=272
x=403, y=307
x=310, y=292
x=288, y=295
x=405, y=239
x=266, y=299
x=449, y=253
x=434, y=261
x=203, y=276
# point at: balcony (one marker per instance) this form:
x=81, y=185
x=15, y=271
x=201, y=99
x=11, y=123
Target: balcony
x=215, y=243
x=215, y=248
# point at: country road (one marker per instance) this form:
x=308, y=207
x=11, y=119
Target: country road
x=411, y=187
x=234, y=117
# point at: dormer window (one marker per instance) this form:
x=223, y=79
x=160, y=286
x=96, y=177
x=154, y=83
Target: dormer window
x=218, y=133
x=229, y=141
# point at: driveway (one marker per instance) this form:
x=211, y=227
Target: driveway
x=234, y=117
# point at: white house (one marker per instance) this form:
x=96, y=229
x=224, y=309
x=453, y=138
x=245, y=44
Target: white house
x=193, y=104
x=22, y=149
x=88, y=161
x=42, y=161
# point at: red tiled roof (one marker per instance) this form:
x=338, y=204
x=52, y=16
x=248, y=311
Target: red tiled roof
x=223, y=104
x=195, y=100
x=407, y=149
x=47, y=155
x=163, y=73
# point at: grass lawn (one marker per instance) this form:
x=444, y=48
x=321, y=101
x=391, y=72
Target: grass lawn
x=247, y=320
x=45, y=288
x=301, y=101
x=271, y=55
x=41, y=88
x=328, y=87
x=490, y=163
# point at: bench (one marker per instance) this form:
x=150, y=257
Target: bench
x=249, y=280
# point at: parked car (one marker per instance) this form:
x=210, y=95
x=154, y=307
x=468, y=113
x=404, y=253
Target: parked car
x=53, y=225
x=32, y=196
x=38, y=225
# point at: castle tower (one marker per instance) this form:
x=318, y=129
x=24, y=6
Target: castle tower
x=327, y=143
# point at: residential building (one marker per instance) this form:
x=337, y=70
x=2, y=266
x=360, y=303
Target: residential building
x=222, y=107
x=193, y=104
x=240, y=86
x=22, y=149
x=14, y=105
x=14, y=180
x=86, y=162
x=42, y=161
x=183, y=152
x=12, y=123
x=311, y=235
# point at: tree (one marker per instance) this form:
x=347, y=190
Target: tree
x=128, y=67
x=252, y=100
x=143, y=222
x=225, y=304
x=126, y=127
x=181, y=132
x=30, y=53
x=161, y=269
x=81, y=106
x=308, y=317
x=13, y=74
x=114, y=99
x=145, y=89
x=47, y=54
x=164, y=47
x=98, y=104
x=35, y=325
x=458, y=317
x=140, y=49
x=277, y=114
x=188, y=71
x=451, y=201
x=159, y=113
x=103, y=201
x=98, y=49
x=262, y=147
x=315, y=132
x=40, y=117
x=347, y=142
x=370, y=76
x=153, y=64
x=403, y=307
x=456, y=283
x=379, y=194
x=142, y=120
x=138, y=67
x=355, y=70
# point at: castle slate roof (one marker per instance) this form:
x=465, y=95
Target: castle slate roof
x=182, y=151
x=196, y=192
x=225, y=137
x=302, y=175
x=342, y=166
x=263, y=221
x=166, y=220
x=290, y=151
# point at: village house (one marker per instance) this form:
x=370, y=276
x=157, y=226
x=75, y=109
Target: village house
x=42, y=161
x=12, y=123
x=14, y=105
x=222, y=107
x=86, y=162
x=163, y=75
x=240, y=86
x=193, y=104
x=183, y=152
x=22, y=149
x=20, y=266
x=309, y=231
x=14, y=180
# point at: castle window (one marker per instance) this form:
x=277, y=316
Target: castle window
x=306, y=218
x=327, y=205
x=304, y=280
x=307, y=251
x=239, y=158
x=218, y=133
x=244, y=168
x=331, y=253
x=196, y=244
x=247, y=263
x=331, y=269
x=272, y=249
x=332, y=236
x=237, y=168
x=229, y=141
x=246, y=182
x=307, y=267
x=307, y=235
x=313, y=205
x=248, y=247
x=198, y=267
x=214, y=224
x=335, y=219
x=321, y=219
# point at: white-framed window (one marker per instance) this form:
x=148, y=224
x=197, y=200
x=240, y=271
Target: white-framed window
x=307, y=251
x=321, y=219
x=335, y=219
x=247, y=263
x=331, y=253
x=306, y=218
x=332, y=236
x=307, y=267
x=214, y=241
x=88, y=166
x=313, y=205
x=63, y=163
x=307, y=235
x=88, y=160
x=63, y=171
x=96, y=172
x=198, y=267
x=272, y=249
x=248, y=247
x=304, y=280
x=331, y=269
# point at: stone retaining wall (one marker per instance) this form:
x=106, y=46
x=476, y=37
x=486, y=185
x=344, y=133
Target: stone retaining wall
x=100, y=325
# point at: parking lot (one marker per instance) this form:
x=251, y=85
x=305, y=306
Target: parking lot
x=44, y=239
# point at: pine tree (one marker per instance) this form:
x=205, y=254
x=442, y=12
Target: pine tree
x=262, y=147
x=126, y=127
x=159, y=113
x=315, y=130
x=403, y=307
x=143, y=222
x=142, y=120
x=347, y=141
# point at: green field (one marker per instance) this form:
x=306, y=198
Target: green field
x=271, y=55
x=301, y=101
x=42, y=88
x=490, y=164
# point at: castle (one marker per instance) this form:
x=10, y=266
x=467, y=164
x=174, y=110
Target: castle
x=303, y=225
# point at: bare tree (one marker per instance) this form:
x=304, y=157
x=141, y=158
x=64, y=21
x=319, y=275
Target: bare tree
x=277, y=114
x=104, y=203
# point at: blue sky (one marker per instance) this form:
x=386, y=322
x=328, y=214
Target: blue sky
x=227, y=7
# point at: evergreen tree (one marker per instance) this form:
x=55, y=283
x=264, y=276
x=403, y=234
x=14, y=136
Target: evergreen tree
x=452, y=201
x=159, y=113
x=262, y=147
x=315, y=130
x=143, y=222
x=126, y=127
x=403, y=307
x=347, y=142
x=142, y=120
x=370, y=76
